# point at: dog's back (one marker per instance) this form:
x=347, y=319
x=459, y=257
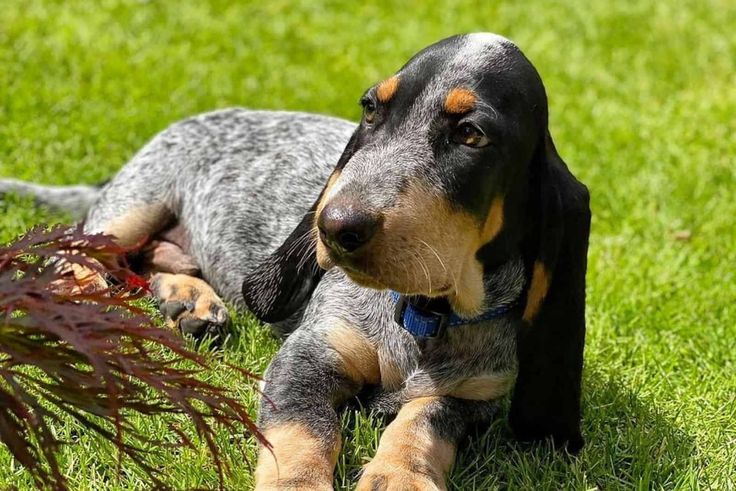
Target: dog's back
x=236, y=181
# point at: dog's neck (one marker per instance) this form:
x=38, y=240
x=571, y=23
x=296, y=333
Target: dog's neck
x=429, y=317
x=504, y=284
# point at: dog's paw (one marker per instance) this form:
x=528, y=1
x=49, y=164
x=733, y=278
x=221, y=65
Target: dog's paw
x=190, y=305
x=395, y=476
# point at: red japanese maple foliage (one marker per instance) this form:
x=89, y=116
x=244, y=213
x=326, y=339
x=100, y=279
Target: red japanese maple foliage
x=90, y=355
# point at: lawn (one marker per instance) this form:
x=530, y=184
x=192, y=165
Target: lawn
x=642, y=104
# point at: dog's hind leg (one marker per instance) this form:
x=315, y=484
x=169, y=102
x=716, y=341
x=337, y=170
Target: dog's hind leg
x=135, y=225
x=187, y=302
x=139, y=208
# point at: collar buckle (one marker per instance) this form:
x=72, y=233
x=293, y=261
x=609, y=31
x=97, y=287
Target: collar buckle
x=444, y=321
x=423, y=322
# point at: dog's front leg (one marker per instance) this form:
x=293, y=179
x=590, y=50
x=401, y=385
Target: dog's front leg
x=316, y=370
x=418, y=448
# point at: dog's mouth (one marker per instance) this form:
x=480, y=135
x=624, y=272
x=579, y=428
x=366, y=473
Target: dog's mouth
x=379, y=283
x=355, y=267
x=404, y=265
x=367, y=271
x=363, y=279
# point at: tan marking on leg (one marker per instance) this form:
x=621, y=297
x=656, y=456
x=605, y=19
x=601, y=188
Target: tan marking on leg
x=386, y=90
x=128, y=230
x=460, y=100
x=300, y=460
x=78, y=279
x=537, y=291
x=392, y=377
x=410, y=456
x=139, y=223
x=484, y=388
x=323, y=257
x=358, y=356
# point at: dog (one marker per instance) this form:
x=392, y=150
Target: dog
x=433, y=257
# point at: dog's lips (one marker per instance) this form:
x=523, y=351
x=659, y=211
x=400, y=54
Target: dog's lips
x=357, y=271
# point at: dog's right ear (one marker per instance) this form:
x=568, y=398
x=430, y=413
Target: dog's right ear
x=281, y=284
x=278, y=286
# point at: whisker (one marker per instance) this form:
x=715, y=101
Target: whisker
x=452, y=273
x=310, y=241
x=297, y=242
x=423, y=266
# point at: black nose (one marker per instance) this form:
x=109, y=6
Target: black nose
x=344, y=227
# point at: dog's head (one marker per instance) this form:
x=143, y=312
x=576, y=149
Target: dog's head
x=432, y=188
x=437, y=168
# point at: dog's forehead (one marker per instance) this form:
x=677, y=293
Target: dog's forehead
x=463, y=60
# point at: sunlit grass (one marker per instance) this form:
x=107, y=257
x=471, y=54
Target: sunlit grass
x=642, y=106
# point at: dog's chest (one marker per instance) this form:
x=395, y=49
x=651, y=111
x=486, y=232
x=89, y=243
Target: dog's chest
x=475, y=361
x=471, y=362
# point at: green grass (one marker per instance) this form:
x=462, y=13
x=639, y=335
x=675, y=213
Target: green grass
x=642, y=108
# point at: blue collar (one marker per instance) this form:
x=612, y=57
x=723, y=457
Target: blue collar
x=425, y=318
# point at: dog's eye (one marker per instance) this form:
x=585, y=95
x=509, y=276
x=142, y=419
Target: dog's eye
x=369, y=110
x=470, y=135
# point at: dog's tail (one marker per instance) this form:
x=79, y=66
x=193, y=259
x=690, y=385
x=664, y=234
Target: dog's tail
x=73, y=200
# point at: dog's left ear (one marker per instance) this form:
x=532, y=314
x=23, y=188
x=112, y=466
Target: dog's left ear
x=281, y=284
x=546, y=400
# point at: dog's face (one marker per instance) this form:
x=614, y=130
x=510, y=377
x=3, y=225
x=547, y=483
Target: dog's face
x=436, y=170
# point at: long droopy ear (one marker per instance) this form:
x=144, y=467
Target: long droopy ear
x=281, y=284
x=546, y=400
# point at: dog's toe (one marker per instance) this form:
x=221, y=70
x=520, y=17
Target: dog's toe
x=200, y=328
x=173, y=310
x=402, y=472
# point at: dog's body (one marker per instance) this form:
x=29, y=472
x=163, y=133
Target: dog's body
x=237, y=181
x=450, y=192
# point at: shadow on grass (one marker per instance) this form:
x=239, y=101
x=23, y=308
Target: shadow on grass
x=629, y=444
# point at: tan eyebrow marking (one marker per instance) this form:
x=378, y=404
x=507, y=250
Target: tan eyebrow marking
x=386, y=89
x=460, y=100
